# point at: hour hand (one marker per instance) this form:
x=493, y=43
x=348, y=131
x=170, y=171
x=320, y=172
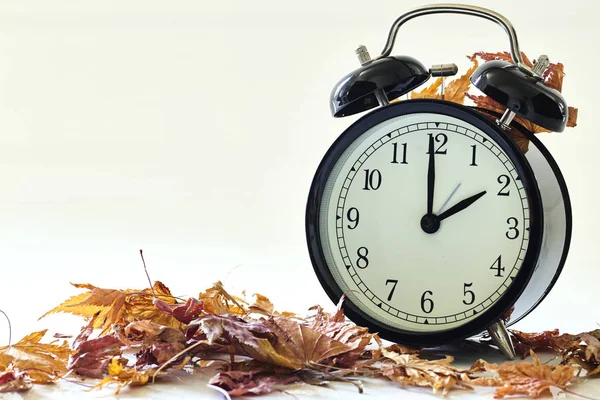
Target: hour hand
x=461, y=205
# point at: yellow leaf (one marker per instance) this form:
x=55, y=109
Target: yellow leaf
x=111, y=306
x=43, y=362
x=414, y=371
x=123, y=376
x=430, y=92
x=456, y=89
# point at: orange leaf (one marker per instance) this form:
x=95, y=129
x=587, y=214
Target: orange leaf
x=43, y=362
x=525, y=378
x=111, y=306
x=430, y=92
x=456, y=90
x=414, y=371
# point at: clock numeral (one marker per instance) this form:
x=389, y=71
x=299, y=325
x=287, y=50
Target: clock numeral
x=473, y=155
x=497, y=265
x=427, y=304
x=363, y=261
x=442, y=139
x=513, y=229
x=372, y=179
x=394, y=282
x=353, y=216
x=504, y=180
x=395, y=155
x=468, y=293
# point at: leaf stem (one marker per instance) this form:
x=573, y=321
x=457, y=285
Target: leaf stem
x=9, y=329
x=147, y=275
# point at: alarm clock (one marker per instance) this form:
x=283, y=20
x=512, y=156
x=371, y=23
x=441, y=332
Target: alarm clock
x=424, y=214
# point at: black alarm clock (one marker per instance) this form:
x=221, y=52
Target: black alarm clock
x=425, y=214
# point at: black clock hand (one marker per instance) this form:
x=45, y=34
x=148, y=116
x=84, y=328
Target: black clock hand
x=430, y=176
x=461, y=205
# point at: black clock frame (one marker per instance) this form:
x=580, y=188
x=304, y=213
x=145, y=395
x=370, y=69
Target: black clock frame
x=562, y=184
x=510, y=296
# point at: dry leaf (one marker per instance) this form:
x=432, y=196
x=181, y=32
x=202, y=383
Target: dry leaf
x=457, y=88
x=13, y=380
x=572, y=118
x=216, y=300
x=240, y=383
x=278, y=341
x=409, y=369
x=43, y=362
x=524, y=343
x=430, y=92
x=93, y=355
x=110, y=306
x=185, y=313
x=532, y=379
x=141, y=305
x=123, y=376
x=337, y=327
x=502, y=55
x=581, y=350
x=262, y=305
x=159, y=343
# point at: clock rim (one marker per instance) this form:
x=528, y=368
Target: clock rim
x=312, y=226
x=564, y=190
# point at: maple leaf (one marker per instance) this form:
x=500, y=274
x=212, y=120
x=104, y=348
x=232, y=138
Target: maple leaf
x=111, y=306
x=524, y=343
x=13, y=380
x=527, y=378
x=43, y=362
x=457, y=88
x=337, y=327
x=217, y=300
x=502, y=55
x=261, y=305
x=430, y=92
x=414, y=371
x=581, y=350
x=92, y=356
x=260, y=381
x=142, y=306
x=277, y=341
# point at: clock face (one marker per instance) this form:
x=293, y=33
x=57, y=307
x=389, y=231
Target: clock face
x=421, y=253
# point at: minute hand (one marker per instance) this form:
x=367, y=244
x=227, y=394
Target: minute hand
x=461, y=205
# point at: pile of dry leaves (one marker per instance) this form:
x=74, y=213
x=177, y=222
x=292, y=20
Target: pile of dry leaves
x=142, y=335
x=134, y=337
x=260, y=349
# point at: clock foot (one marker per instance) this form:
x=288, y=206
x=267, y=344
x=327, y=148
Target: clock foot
x=501, y=338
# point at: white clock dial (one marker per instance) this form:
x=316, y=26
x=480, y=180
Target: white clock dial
x=370, y=223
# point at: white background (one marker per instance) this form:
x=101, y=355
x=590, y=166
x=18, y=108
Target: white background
x=192, y=129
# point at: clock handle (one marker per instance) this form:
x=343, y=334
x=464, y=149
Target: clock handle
x=460, y=9
x=501, y=338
